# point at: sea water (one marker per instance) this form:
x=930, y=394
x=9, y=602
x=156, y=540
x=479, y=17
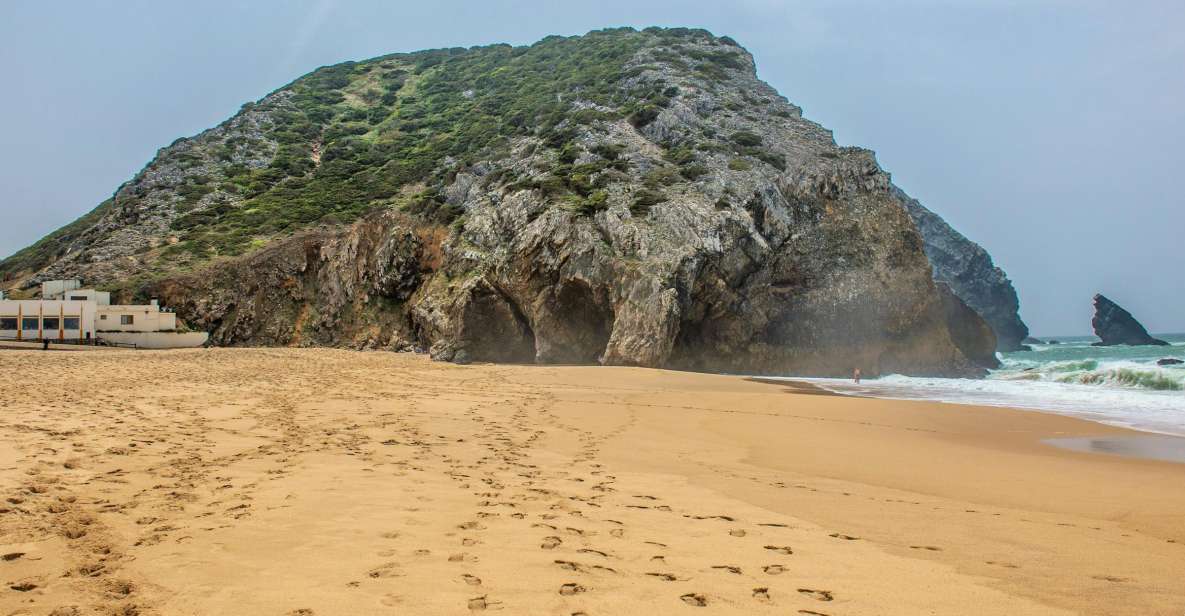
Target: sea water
x=1118, y=385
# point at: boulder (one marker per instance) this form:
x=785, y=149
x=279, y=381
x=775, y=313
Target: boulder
x=1169, y=361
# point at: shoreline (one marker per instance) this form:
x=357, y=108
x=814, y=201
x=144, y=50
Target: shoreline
x=1148, y=411
x=332, y=482
x=1141, y=443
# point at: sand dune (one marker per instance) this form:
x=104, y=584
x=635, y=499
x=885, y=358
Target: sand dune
x=324, y=482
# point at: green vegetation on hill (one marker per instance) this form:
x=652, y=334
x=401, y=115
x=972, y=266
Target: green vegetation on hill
x=391, y=122
x=51, y=246
x=392, y=131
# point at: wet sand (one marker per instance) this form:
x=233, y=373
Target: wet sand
x=1147, y=446
x=318, y=482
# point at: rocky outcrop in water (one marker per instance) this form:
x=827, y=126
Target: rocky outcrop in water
x=671, y=211
x=971, y=274
x=1114, y=325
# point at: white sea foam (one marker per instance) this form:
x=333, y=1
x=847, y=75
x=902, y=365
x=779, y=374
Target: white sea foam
x=1153, y=411
x=1115, y=385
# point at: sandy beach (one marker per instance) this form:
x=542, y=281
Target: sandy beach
x=327, y=482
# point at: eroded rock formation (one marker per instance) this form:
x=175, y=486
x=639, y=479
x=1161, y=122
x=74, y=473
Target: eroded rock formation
x=684, y=214
x=1114, y=325
x=971, y=274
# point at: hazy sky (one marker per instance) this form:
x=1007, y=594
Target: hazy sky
x=1050, y=132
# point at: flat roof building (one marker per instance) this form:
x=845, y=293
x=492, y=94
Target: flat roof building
x=67, y=312
x=55, y=320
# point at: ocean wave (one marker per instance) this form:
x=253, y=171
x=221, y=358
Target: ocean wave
x=1119, y=385
x=1113, y=402
x=1119, y=374
x=1126, y=377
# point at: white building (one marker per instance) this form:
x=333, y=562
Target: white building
x=68, y=313
x=55, y=320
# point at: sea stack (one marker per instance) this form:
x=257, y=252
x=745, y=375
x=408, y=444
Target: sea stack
x=1114, y=325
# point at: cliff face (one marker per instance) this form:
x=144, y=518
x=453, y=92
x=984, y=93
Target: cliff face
x=662, y=207
x=1114, y=325
x=970, y=333
x=971, y=274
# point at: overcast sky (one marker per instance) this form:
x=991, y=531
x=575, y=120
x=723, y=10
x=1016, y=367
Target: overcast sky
x=1049, y=132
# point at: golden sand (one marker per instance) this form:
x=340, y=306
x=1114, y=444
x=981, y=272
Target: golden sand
x=325, y=482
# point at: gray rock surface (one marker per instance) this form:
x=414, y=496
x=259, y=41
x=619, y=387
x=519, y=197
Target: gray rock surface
x=971, y=274
x=1114, y=325
x=969, y=331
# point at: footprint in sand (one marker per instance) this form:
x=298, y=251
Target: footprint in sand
x=694, y=599
x=774, y=569
x=570, y=566
x=550, y=543
x=23, y=585
x=385, y=570
x=480, y=603
x=780, y=549
x=821, y=595
x=570, y=589
x=471, y=580
x=761, y=594
x=120, y=588
x=666, y=577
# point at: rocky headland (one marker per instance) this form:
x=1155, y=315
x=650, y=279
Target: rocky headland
x=625, y=197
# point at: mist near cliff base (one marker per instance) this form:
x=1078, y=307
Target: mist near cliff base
x=1048, y=132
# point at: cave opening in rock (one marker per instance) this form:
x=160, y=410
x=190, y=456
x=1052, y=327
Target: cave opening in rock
x=582, y=326
x=495, y=330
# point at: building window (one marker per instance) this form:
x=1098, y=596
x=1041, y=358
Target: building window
x=71, y=323
x=8, y=323
x=127, y=319
x=78, y=298
x=29, y=324
x=102, y=317
x=49, y=323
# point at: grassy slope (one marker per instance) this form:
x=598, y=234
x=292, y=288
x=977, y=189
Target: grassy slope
x=382, y=125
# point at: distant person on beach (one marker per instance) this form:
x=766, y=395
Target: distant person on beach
x=856, y=375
